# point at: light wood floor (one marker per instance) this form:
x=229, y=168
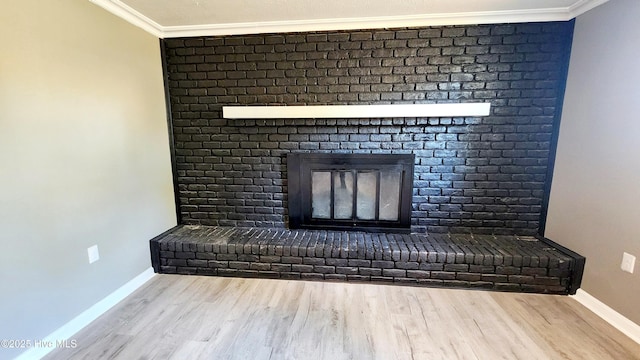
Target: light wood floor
x=191, y=317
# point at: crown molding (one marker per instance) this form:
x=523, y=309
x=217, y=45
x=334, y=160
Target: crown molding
x=487, y=17
x=127, y=13
x=583, y=6
x=120, y=9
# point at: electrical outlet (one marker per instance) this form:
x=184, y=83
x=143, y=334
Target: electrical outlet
x=93, y=253
x=628, y=262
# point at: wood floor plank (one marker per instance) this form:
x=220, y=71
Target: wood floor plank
x=190, y=317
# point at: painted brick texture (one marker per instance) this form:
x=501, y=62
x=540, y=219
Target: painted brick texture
x=461, y=260
x=484, y=175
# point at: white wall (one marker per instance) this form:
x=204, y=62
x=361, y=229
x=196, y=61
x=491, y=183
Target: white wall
x=84, y=160
x=595, y=196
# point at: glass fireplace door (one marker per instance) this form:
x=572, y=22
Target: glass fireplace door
x=377, y=196
x=336, y=191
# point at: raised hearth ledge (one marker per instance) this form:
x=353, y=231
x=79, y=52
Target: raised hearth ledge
x=356, y=111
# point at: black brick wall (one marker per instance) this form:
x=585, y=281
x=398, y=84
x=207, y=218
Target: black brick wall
x=481, y=175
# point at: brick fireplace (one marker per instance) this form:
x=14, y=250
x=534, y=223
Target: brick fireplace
x=482, y=175
x=480, y=183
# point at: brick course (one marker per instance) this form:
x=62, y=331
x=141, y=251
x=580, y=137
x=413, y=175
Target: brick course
x=481, y=175
x=431, y=260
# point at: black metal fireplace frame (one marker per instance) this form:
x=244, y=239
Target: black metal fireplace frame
x=300, y=166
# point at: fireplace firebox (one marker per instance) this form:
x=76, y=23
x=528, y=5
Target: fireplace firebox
x=335, y=191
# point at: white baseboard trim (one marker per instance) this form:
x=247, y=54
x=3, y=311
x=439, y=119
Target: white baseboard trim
x=617, y=320
x=69, y=329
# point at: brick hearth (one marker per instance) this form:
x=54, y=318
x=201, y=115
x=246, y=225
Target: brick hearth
x=505, y=263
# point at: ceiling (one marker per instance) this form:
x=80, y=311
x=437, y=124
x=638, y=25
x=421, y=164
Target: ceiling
x=174, y=18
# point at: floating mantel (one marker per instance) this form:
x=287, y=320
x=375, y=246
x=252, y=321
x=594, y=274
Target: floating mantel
x=356, y=111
